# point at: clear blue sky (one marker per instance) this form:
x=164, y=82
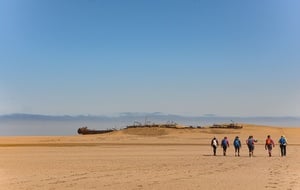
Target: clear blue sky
x=230, y=58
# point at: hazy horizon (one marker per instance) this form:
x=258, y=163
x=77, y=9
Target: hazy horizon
x=30, y=125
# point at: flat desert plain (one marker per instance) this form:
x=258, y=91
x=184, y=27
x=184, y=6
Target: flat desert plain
x=149, y=158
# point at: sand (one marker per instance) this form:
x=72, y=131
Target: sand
x=150, y=158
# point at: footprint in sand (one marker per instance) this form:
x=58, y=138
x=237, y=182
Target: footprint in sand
x=273, y=187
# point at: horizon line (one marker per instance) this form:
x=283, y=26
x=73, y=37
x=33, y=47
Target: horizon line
x=141, y=114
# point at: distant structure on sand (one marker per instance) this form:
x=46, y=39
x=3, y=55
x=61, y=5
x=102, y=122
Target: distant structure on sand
x=227, y=126
x=86, y=131
x=171, y=125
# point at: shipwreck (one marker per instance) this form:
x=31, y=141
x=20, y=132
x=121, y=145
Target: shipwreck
x=87, y=131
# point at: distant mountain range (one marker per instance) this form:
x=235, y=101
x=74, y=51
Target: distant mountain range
x=155, y=117
x=37, y=124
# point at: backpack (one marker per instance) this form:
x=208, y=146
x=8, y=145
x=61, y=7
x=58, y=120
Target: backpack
x=236, y=143
x=214, y=142
x=269, y=141
x=250, y=142
x=282, y=141
x=224, y=142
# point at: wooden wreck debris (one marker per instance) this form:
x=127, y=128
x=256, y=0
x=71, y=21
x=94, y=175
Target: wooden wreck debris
x=86, y=131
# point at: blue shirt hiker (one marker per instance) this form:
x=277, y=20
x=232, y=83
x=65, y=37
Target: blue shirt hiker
x=237, y=145
x=282, y=142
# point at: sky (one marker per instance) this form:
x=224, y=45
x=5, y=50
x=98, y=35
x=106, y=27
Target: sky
x=102, y=57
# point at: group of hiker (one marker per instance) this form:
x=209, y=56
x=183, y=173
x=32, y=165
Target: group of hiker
x=269, y=145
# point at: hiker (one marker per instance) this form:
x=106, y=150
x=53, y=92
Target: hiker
x=283, y=142
x=225, y=145
x=269, y=145
x=250, y=143
x=214, y=144
x=237, y=145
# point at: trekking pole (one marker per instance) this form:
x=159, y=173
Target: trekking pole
x=279, y=151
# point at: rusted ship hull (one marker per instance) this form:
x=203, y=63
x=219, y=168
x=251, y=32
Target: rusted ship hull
x=86, y=131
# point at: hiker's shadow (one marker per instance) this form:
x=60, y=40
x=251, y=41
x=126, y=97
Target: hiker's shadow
x=210, y=155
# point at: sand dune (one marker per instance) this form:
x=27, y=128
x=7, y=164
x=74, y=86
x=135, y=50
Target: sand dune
x=149, y=158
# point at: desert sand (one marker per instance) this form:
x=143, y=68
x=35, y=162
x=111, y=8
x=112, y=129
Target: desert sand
x=149, y=158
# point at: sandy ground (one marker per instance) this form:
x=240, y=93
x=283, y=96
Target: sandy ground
x=150, y=158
